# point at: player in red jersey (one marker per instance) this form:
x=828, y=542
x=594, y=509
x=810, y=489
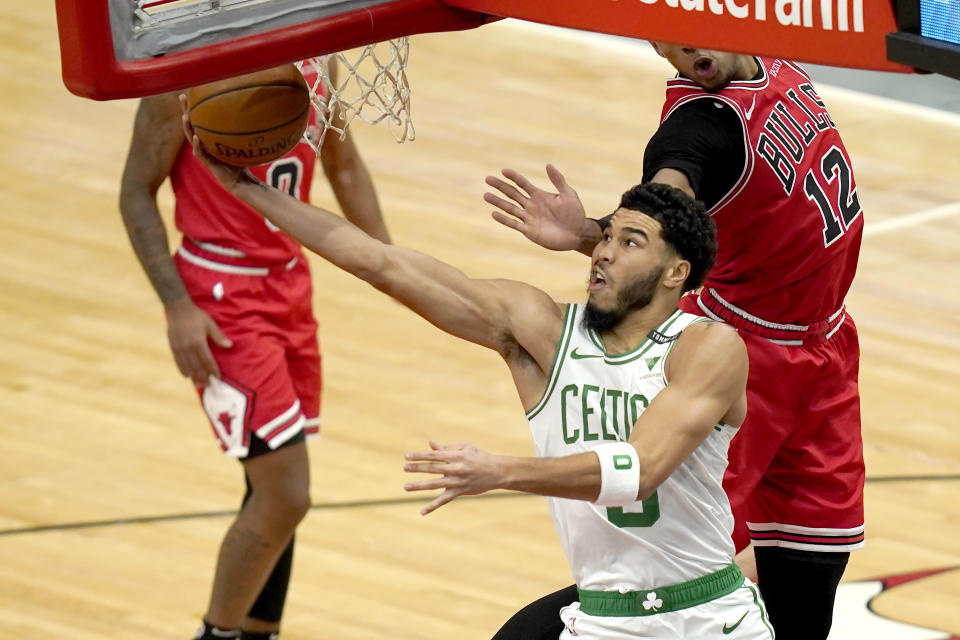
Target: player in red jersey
x=752, y=139
x=238, y=301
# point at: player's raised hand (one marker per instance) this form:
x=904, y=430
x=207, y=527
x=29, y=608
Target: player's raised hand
x=188, y=330
x=228, y=175
x=551, y=220
x=464, y=470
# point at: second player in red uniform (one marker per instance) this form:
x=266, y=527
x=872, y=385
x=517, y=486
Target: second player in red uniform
x=238, y=300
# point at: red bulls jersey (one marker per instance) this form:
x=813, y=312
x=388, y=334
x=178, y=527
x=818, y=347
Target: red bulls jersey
x=207, y=214
x=789, y=230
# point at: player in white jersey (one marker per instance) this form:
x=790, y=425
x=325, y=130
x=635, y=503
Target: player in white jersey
x=621, y=556
x=632, y=406
x=675, y=534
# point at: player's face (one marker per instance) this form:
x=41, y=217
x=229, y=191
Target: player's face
x=627, y=268
x=712, y=70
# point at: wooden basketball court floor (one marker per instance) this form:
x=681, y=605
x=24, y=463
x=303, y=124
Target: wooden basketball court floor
x=113, y=495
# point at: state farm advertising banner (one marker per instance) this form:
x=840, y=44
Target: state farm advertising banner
x=845, y=33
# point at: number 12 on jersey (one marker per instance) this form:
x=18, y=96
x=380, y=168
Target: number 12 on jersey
x=833, y=166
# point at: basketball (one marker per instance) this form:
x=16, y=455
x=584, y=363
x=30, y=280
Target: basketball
x=251, y=119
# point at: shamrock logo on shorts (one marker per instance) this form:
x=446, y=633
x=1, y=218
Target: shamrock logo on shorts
x=652, y=601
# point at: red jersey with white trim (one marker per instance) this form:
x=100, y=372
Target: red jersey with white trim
x=206, y=213
x=789, y=230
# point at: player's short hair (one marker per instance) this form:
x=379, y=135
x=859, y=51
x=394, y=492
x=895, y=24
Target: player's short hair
x=685, y=225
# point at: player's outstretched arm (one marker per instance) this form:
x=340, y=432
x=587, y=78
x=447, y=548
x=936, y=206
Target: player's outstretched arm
x=515, y=319
x=465, y=470
x=707, y=379
x=552, y=220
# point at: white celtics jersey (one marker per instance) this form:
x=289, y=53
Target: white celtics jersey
x=683, y=530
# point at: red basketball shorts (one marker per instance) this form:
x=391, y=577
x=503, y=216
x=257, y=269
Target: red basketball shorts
x=269, y=391
x=795, y=475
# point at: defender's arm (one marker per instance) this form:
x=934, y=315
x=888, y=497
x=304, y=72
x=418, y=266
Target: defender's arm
x=557, y=221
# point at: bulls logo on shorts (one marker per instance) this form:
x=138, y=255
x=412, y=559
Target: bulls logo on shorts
x=229, y=407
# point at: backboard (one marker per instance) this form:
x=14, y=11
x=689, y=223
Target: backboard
x=129, y=48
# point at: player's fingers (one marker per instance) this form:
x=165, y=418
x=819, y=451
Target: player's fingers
x=181, y=362
x=190, y=134
x=497, y=182
x=185, y=116
x=436, y=446
x=521, y=181
x=428, y=485
x=507, y=189
x=208, y=364
x=456, y=446
x=200, y=372
x=507, y=221
x=197, y=147
x=433, y=454
x=452, y=473
x=444, y=498
x=185, y=121
x=192, y=367
x=217, y=336
x=505, y=205
x=445, y=454
x=428, y=467
x=556, y=178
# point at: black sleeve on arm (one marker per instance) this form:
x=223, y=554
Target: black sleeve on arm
x=704, y=139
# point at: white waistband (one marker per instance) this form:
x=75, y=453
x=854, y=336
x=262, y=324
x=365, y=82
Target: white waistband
x=219, y=250
x=742, y=313
x=220, y=266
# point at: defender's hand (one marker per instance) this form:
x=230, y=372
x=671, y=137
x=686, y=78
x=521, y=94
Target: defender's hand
x=552, y=220
x=188, y=328
x=464, y=470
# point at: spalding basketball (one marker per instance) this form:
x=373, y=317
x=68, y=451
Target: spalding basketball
x=253, y=118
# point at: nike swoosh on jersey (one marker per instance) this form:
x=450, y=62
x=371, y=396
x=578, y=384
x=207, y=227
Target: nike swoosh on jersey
x=752, y=105
x=581, y=356
x=736, y=624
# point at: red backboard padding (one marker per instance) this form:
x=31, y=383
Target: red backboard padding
x=800, y=30
x=90, y=67
x=848, y=33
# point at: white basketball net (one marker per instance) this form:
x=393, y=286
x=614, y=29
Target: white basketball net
x=371, y=84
